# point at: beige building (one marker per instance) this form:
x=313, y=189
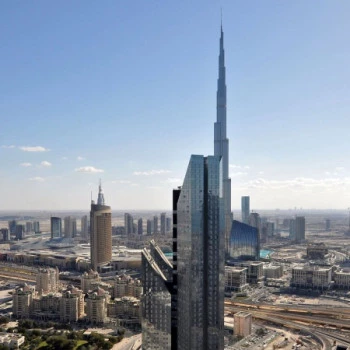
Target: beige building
x=125, y=309
x=235, y=278
x=22, y=301
x=100, y=233
x=341, y=280
x=47, y=281
x=242, y=324
x=11, y=340
x=124, y=285
x=88, y=279
x=311, y=277
x=96, y=306
x=72, y=305
x=47, y=307
x=273, y=271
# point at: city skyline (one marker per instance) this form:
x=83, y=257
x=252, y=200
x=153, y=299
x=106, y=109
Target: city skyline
x=74, y=75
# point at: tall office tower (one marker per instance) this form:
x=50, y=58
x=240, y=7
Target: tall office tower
x=56, y=227
x=149, y=227
x=157, y=273
x=244, y=242
x=84, y=227
x=128, y=224
x=300, y=229
x=139, y=226
x=70, y=227
x=292, y=229
x=245, y=208
x=29, y=226
x=168, y=224
x=328, y=224
x=201, y=256
x=155, y=224
x=12, y=226
x=100, y=232
x=20, y=232
x=5, y=234
x=36, y=226
x=47, y=280
x=163, y=223
x=221, y=148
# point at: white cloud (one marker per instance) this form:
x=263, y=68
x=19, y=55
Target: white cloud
x=64, y=158
x=45, y=163
x=33, y=149
x=124, y=182
x=10, y=146
x=151, y=172
x=88, y=169
x=173, y=180
x=134, y=185
x=79, y=158
x=26, y=164
x=235, y=166
x=238, y=173
x=37, y=179
x=339, y=168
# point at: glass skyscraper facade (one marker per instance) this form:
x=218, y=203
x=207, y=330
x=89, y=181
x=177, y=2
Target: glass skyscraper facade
x=201, y=256
x=56, y=227
x=245, y=209
x=244, y=242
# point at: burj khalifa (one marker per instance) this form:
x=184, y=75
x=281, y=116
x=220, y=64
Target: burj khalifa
x=221, y=140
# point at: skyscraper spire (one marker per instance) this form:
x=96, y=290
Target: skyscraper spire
x=101, y=198
x=221, y=141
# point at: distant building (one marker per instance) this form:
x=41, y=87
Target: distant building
x=71, y=305
x=156, y=299
x=235, y=278
x=96, y=306
x=47, y=306
x=36, y=226
x=316, y=251
x=84, y=227
x=168, y=224
x=5, y=234
x=255, y=221
x=100, y=233
x=126, y=310
x=299, y=229
x=12, y=226
x=292, y=229
x=155, y=224
x=56, y=227
x=29, y=227
x=139, y=227
x=341, y=280
x=328, y=225
x=22, y=301
x=273, y=271
x=11, y=340
x=311, y=277
x=149, y=227
x=88, y=279
x=242, y=324
x=244, y=242
x=47, y=281
x=245, y=209
x=124, y=286
x=20, y=229
x=128, y=224
x=70, y=227
x=255, y=273
x=163, y=223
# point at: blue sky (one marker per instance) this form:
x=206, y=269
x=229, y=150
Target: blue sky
x=125, y=91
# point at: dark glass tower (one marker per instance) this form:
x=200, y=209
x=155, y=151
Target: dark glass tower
x=244, y=242
x=200, y=256
x=221, y=141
